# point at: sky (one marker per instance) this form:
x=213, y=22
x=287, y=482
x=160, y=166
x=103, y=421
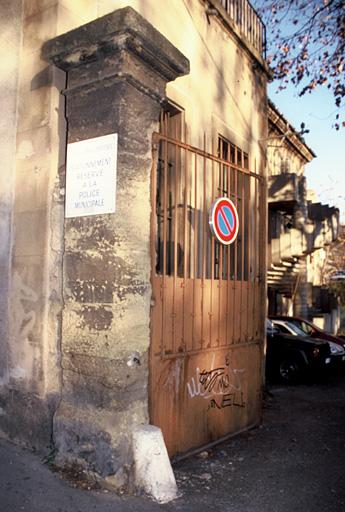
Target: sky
x=326, y=173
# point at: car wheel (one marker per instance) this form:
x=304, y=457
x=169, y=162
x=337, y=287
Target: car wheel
x=289, y=370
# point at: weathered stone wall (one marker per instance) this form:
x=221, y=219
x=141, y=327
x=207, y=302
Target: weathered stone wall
x=107, y=291
x=107, y=294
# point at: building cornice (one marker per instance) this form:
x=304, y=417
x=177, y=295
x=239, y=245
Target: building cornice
x=281, y=124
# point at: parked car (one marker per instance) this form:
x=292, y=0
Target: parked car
x=338, y=276
x=311, y=329
x=289, y=358
x=286, y=327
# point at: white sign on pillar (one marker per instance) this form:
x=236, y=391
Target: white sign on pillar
x=91, y=176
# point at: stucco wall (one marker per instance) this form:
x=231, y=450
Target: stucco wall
x=32, y=138
x=10, y=37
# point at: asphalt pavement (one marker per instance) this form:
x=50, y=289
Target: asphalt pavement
x=295, y=461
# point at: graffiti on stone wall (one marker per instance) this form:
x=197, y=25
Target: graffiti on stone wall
x=24, y=356
x=24, y=317
x=221, y=385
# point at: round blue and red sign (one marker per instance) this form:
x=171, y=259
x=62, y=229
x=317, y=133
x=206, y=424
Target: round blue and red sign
x=223, y=220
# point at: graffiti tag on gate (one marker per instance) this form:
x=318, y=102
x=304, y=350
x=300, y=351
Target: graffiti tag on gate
x=221, y=385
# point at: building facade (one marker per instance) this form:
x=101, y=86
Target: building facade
x=300, y=231
x=131, y=313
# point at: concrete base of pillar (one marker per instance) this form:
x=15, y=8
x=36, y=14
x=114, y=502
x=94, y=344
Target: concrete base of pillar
x=153, y=474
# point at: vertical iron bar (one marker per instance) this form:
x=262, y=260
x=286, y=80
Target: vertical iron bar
x=196, y=241
x=242, y=244
x=213, y=248
x=236, y=242
x=228, y=266
x=175, y=206
x=165, y=214
x=204, y=247
x=248, y=242
x=154, y=224
x=185, y=243
x=235, y=253
x=257, y=275
x=220, y=263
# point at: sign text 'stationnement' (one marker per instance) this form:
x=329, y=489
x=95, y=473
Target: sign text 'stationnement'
x=91, y=176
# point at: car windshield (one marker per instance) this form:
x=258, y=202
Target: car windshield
x=296, y=329
x=283, y=327
x=301, y=324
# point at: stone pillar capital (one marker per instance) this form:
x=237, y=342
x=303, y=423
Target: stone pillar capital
x=120, y=45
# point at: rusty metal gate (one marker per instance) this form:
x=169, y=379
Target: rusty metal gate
x=206, y=313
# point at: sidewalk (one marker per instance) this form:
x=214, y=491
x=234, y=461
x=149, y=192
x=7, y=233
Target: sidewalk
x=294, y=462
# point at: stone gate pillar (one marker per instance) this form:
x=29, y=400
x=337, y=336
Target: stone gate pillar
x=117, y=69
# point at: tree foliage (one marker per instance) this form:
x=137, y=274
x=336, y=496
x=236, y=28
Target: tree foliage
x=306, y=45
x=339, y=291
x=333, y=263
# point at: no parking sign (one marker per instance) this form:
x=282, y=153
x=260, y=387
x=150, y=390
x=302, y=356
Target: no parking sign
x=223, y=220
